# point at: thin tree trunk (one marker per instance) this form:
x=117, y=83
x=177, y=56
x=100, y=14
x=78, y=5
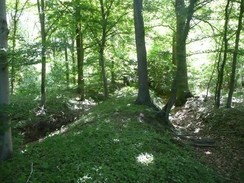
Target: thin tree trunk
x=101, y=51
x=104, y=76
x=235, y=55
x=41, y=10
x=15, y=19
x=143, y=96
x=222, y=66
x=12, y=68
x=112, y=69
x=6, y=147
x=174, y=49
x=66, y=64
x=80, y=54
x=72, y=50
x=80, y=62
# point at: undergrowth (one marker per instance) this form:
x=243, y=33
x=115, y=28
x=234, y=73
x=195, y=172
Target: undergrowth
x=113, y=142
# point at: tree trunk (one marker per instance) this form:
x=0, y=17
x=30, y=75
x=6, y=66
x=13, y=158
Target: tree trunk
x=221, y=66
x=179, y=89
x=80, y=62
x=174, y=49
x=103, y=71
x=143, y=96
x=72, y=50
x=112, y=69
x=15, y=19
x=183, y=17
x=235, y=55
x=6, y=148
x=66, y=64
x=41, y=10
x=101, y=51
x=164, y=113
x=12, y=68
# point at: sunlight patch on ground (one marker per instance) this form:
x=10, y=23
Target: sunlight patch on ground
x=145, y=158
x=197, y=130
x=60, y=131
x=207, y=152
x=76, y=104
x=116, y=140
x=85, y=178
x=140, y=118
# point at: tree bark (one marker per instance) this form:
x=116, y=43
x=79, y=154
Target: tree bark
x=41, y=10
x=6, y=148
x=72, y=50
x=143, y=96
x=235, y=55
x=67, y=72
x=12, y=68
x=79, y=52
x=80, y=62
x=221, y=66
x=102, y=48
x=183, y=18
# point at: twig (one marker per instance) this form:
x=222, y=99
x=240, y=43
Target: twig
x=30, y=173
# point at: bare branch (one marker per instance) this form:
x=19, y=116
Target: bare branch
x=31, y=172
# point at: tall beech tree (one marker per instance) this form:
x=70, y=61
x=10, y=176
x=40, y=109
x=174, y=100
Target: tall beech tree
x=179, y=88
x=143, y=96
x=79, y=51
x=5, y=129
x=184, y=15
x=102, y=43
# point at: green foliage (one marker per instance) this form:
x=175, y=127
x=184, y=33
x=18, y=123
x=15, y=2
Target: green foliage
x=160, y=68
x=113, y=142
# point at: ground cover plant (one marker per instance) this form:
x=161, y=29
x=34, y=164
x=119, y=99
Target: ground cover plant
x=112, y=142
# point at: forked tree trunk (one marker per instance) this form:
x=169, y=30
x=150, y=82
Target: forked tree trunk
x=179, y=89
x=6, y=148
x=183, y=18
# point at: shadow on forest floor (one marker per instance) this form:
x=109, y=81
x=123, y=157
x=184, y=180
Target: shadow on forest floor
x=223, y=127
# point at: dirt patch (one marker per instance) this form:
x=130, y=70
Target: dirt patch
x=225, y=127
x=46, y=121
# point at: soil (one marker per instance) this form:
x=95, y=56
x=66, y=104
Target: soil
x=221, y=133
x=46, y=122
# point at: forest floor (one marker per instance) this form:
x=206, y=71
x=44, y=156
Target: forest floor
x=118, y=141
x=113, y=141
x=223, y=131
